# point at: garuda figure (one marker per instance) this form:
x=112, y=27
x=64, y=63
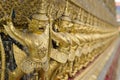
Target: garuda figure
x=36, y=41
x=55, y=47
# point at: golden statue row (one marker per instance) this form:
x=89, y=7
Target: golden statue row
x=57, y=49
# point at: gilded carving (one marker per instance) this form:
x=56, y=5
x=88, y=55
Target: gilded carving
x=58, y=37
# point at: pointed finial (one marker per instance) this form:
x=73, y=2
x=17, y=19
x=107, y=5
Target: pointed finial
x=42, y=14
x=77, y=19
x=82, y=15
x=66, y=8
x=88, y=18
x=42, y=3
x=79, y=13
x=42, y=7
x=78, y=16
x=65, y=15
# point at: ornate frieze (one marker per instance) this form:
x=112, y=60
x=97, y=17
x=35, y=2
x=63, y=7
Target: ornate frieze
x=58, y=37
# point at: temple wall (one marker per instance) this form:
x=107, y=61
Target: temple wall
x=104, y=10
x=58, y=39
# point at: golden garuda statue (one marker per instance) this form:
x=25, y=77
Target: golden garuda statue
x=51, y=39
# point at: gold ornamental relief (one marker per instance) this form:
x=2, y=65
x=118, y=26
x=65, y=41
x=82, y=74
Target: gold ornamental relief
x=51, y=39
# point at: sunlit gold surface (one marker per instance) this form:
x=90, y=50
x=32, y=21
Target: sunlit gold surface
x=61, y=38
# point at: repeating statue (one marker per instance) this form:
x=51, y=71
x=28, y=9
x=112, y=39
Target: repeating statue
x=62, y=40
x=36, y=41
x=55, y=49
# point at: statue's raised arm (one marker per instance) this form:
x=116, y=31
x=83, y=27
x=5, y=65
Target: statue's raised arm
x=16, y=34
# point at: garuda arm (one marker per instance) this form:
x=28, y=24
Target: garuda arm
x=16, y=34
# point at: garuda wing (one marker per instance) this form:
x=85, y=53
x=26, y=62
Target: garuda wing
x=19, y=54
